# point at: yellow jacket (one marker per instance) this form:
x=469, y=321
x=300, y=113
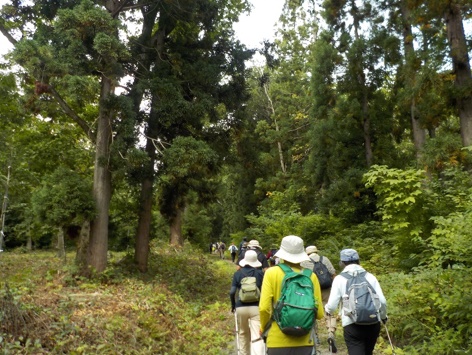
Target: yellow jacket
x=270, y=293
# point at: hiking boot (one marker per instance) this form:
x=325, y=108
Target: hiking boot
x=332, y=344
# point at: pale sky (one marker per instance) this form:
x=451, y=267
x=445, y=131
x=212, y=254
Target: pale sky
x=260, y=24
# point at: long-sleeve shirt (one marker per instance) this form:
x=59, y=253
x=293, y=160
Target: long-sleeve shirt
x=236, y=285
x=270, y=293
x=338, y=289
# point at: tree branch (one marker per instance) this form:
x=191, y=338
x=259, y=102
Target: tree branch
x=85, y=127
x=7, y=34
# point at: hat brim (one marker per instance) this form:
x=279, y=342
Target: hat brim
x=292, y=258
x=256, y=263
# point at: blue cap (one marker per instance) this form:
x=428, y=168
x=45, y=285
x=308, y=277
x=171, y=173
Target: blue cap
x=349, y=255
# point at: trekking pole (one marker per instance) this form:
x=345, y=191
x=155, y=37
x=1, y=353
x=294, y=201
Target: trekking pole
x=237, y=332
x=389, y=339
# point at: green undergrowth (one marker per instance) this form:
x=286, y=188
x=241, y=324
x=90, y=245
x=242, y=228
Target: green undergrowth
x=180, y=306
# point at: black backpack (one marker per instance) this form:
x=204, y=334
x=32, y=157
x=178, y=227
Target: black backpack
x=324, y=277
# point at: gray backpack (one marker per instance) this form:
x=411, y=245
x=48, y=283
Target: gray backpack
x=360, y=302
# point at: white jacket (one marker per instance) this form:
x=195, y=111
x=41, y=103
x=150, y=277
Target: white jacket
x=338, y=289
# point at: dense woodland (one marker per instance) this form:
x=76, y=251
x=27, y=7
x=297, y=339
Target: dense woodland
x=128, y=121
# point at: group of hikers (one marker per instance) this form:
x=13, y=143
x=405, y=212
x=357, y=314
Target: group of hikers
x=277, y=304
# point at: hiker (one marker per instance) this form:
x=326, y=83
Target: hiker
x=325, y=285
x=270, y=256
x=247, y=313
x=233, y=249
x=254, y=245
x=360, y=339
x=241, y=246
x=221, y=249
x=291, y=253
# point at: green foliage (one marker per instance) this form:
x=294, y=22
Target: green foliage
x=64, y=198
x=403, y=206
x=430, y=304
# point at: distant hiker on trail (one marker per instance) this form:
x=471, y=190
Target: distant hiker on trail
x=247, y=283
x=233, y=249
x=254, y=245
x=360, y=335
x=291, y=253
x=221, y=249
x=325, y=272
x=241, y=246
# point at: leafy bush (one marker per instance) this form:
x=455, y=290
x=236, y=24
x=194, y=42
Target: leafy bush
x=429, y=312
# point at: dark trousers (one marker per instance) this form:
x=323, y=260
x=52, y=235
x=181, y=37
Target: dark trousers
x=361, y=339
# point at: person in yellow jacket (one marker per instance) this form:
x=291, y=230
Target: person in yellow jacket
x=292, y=253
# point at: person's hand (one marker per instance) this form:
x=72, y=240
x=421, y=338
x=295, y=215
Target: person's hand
x=233, y=309
x=385, y=320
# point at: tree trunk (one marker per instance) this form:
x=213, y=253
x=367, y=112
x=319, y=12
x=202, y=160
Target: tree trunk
x=461, y=68
x=98, y=245
x=61, y=246
x=141, y=251
x=176, y=228
x=81, y=255
x=279, y=143
x=419, y=133
x=369, y=156
x=29, y=243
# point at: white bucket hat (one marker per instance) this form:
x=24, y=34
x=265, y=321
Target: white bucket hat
x=311, y=249
x=254, y=244
x=292, y=250
x=250, y=258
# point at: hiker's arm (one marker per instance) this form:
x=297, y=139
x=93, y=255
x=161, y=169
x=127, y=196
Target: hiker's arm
x=267, y=296
x=318, y=296
x=335, y=295
x=232, y=292
x=232, y=297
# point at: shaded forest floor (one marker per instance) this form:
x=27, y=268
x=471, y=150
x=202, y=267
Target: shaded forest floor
x=181, y=306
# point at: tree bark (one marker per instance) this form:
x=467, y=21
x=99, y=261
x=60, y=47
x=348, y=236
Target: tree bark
x=419, y=133
x=279, y=143
x=61, y=246
x=81, y=255
x=461, y=69
x=176, y=228
x=141, y=251
x=98, y=245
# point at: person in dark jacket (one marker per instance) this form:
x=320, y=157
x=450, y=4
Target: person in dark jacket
x=247, y=314
x=254, y=245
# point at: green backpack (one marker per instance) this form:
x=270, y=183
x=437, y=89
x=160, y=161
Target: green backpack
x=295, y=311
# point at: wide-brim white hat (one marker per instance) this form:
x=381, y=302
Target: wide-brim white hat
x=250, y=258
x=253, y=244
x=292, y=250
x=311, y=249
